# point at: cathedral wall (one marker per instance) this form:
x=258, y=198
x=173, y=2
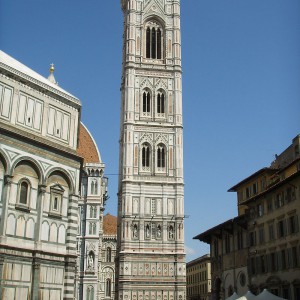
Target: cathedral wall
x=38, y=113
x=39, y=182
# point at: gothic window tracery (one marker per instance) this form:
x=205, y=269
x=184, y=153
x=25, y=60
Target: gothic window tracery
x=146, y=104
x=90, y=293
x=146, y=157
x=108, y=287
x=154, y=40
x=108, y=254
x=160, y=104
x=161, y=157
x=94, y=187
x=92, y=228
x=93, y=211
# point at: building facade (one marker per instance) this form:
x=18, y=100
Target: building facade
x=150, y=252
x=260, y=248
x=271, y=201
x=108, y=256
x=93, y=196
x=229, y=253
x=198, y=278
x=39, y=184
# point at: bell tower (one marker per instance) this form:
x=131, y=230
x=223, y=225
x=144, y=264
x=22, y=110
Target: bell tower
x=150, y=253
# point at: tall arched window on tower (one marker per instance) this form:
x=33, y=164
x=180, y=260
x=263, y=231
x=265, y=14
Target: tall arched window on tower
x=153, y=40
x=146, y=103
x=146, y=157
x=90, y=293
x=160, y=104
x=108, y=254
x=161, y=157
x=108, y=288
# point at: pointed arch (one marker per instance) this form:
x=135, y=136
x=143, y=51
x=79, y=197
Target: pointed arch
x=146, y=154
x=153, y=39
x=146, y=105
x=160, y=103
x=161, y=156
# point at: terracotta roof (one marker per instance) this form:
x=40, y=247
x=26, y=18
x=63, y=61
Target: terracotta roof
x=87, y=147
x=109, y=224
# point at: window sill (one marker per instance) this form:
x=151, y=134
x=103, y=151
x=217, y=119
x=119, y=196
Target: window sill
x=22, y=207
x=54, y=215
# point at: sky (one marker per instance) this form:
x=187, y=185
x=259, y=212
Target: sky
x=241, y=86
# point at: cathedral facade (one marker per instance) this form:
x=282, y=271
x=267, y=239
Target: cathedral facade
x=55, y=242
x=150, y=253
x=39, y=184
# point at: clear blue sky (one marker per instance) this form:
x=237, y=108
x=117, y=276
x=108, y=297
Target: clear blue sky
x=241, y=85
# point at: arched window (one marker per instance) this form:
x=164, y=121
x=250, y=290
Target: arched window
x=108, y=287
x=161, y=156
x=153, y=40
x=96, y=188
x=24, y=191
x=160, y=103
x=147, y=231
x=90, y=293
x=92, y=228
x=146, y=156
x=146, y=102
x=92, y=187
x=108, y=254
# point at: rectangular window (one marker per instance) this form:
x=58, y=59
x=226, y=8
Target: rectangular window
x=271, y=232
x=254, y=188
x=248, y=194
x=240, y=243
x=283, y=259
x=252, y=266
x=56, y=196
x=270, y=205
x=261, y=235
x=260, y=210
x=216, y=250
x=279, y=200
x=281, y=228
x=263, y=183
x=227, y=243
x=288, y=195
x=293, y=224
x=252, y=238
x=295, y=257
x=263, y=264
x=273, y=262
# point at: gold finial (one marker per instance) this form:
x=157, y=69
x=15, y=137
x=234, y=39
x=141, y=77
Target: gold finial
x=51, y=68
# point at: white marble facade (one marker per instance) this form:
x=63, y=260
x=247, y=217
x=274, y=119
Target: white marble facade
x=150, y=253
x=91, y=204
x=39, y=183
